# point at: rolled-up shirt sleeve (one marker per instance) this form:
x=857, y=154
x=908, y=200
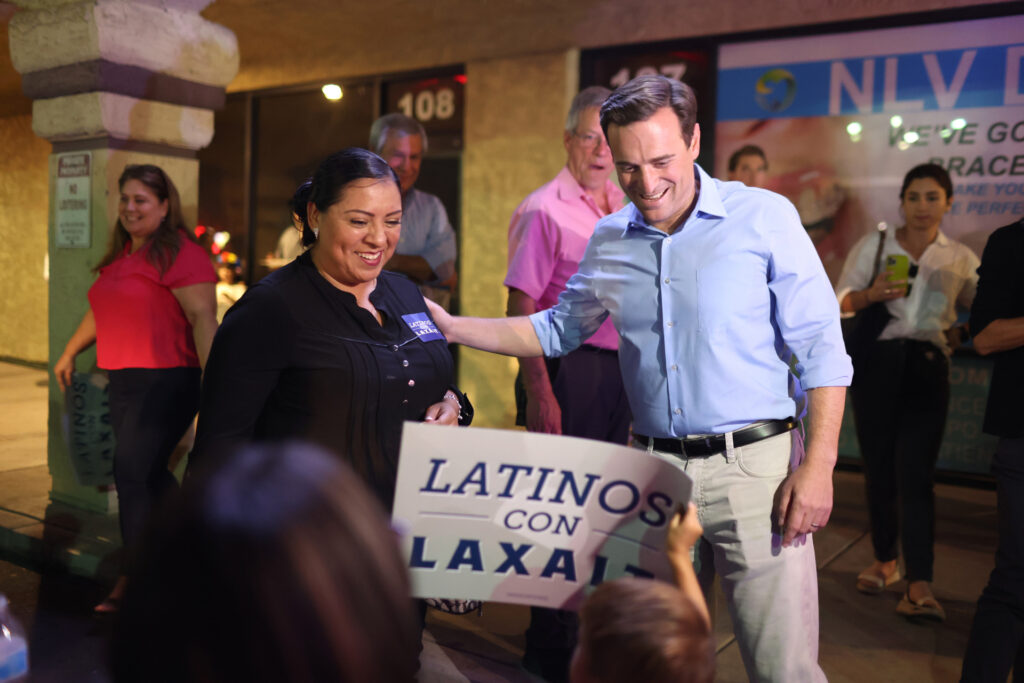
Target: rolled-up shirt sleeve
x=532, y=250
x=577, y=315
x=806, y=311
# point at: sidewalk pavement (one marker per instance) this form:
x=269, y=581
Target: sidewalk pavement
x=862, y=638
x=34, y=530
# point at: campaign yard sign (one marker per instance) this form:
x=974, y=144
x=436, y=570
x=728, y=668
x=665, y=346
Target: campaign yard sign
x=510, y=516
x=87, y=429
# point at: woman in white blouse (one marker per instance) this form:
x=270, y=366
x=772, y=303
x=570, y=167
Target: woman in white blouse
x=900, y=393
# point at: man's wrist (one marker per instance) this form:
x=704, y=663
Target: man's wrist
x=823, y=458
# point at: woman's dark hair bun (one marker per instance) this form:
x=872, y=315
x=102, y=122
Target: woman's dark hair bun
x=297, y=204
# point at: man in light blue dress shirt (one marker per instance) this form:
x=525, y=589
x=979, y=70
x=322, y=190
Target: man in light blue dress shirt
x=704, y=281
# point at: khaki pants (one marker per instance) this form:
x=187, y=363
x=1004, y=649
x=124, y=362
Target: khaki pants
x=771, y=591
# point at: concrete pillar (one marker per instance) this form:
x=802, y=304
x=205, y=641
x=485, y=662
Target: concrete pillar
x=124, y=82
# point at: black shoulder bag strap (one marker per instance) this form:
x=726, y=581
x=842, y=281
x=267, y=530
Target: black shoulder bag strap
x=861, y=331
x=882, y=229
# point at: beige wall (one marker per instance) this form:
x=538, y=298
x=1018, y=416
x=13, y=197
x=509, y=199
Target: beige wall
x=23, y=233
x=515, y=113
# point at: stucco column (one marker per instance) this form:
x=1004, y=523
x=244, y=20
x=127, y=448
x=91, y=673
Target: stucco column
x=114, y=83
x=515, y=112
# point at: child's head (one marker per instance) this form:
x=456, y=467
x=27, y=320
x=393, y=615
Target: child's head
x=635, y=629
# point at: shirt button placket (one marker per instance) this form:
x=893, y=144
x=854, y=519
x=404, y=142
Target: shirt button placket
x=405, y=364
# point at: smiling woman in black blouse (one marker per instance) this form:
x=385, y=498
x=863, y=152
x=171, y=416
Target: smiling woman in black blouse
x=329, y=348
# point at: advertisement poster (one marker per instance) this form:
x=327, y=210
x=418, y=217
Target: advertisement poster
x=509, y=516
x=842, y=117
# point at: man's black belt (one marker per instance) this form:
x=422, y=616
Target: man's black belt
x=704, y=446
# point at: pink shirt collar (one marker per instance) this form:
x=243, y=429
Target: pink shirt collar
x=570, y=190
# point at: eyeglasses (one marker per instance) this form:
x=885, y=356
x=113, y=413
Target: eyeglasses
x=589, y=140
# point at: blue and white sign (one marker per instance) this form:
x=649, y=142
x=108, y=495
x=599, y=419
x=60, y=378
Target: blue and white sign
x=510, y=516
x=842, y=117
x=940, y=67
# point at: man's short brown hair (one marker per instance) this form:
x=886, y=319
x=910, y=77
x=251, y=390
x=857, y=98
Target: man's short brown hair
x=639, y=99
x=636, y=629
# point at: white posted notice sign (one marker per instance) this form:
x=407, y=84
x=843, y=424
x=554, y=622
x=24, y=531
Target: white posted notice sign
x=509, y=516
x=73, y=226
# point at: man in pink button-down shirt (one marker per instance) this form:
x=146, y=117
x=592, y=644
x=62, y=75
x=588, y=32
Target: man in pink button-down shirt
x=580, y=394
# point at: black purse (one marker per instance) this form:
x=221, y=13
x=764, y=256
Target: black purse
x=861, y=330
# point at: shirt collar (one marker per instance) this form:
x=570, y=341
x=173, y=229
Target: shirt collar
x=709, y=204
x=569, y=189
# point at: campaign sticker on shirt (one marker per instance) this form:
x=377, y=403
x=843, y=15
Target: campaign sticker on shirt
x=423, y=326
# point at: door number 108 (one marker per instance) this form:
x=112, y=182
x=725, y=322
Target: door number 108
x=427, y=104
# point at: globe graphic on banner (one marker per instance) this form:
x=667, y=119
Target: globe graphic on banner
x=775, y=90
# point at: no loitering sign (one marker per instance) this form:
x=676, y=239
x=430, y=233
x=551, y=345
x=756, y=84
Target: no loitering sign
x=73, y=223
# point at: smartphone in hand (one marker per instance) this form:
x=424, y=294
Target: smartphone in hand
x=897, y=269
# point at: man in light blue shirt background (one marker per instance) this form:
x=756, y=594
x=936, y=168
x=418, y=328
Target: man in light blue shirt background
x=704, y=282
x=426, y=248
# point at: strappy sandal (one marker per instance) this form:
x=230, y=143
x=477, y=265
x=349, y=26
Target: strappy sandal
x=925, y=609
x=872, y=584
x=110, y=605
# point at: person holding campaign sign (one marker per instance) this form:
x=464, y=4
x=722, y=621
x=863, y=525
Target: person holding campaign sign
x=152, y=315
x=636, y=629
x=331, y=348
x=901, y=391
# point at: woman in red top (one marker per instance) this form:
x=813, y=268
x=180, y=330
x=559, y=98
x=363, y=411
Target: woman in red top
x=152, y=314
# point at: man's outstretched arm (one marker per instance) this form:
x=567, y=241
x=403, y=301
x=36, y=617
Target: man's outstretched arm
x=508, y=336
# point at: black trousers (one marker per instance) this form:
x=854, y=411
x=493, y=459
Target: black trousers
x=588, y=386
x=996, y=642
x=900, y=400
x=150, y=409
